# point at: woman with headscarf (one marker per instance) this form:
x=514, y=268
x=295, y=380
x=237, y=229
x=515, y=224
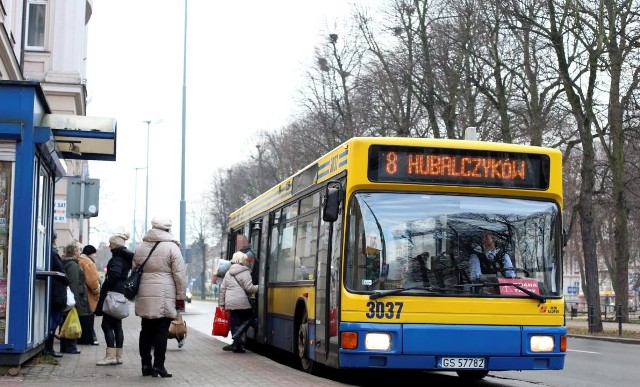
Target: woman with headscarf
x=75, y=275
x=92, y=282
x=160, y=295
x=117, y=272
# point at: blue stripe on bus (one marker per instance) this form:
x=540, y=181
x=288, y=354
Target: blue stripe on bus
x=422, y=345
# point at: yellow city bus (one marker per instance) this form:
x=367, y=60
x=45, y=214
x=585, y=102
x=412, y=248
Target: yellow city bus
x=413, y=253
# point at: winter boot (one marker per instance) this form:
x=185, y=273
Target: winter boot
x=110, y=358
x=118, y=355
x=237, y=347
x=48, y=347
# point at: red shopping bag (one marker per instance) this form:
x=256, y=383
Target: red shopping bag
x=220, y=322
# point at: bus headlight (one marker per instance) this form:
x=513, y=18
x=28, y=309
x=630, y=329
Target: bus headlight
x=541, y=343
x=377, y=341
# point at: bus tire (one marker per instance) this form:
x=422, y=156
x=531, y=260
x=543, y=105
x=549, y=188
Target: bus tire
x=472, y=375
x=302, y=345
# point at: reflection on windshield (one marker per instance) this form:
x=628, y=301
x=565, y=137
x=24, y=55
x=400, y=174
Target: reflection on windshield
x=450, y=244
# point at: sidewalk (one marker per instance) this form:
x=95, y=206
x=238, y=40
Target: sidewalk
x=607, y=326
x=200, y=362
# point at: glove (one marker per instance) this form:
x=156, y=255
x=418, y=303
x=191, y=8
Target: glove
x=180, y=305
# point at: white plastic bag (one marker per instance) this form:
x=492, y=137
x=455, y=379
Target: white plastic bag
x=71, y=299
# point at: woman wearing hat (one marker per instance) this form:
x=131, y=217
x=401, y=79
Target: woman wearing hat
x=160, y=295
x=117, y=271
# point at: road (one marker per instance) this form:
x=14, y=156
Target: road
x=588, y=363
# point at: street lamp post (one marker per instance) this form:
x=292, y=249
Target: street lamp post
x=183, y=205
x=135, y=210
x=146, y=194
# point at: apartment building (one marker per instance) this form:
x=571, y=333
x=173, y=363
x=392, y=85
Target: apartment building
x=46, y=141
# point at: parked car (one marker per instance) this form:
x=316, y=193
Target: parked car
x=188, y=296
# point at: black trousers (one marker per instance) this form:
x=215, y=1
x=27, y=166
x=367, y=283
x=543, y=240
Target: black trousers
x=153, y=333
x=112, y=329
x=86, y=322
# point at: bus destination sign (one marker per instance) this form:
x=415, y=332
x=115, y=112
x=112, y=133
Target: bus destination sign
x=458, y=167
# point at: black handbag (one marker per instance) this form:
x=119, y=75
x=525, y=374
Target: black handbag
x=132, y=283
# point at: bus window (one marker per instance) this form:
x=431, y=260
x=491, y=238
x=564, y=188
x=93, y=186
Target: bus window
x=435, y=241
x=286, y=253
x=306, y=247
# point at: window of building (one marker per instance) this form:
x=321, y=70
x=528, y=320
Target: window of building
x=36, y=23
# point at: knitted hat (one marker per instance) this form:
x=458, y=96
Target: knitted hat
x=161, y=223
x=88, y=250
x=119, y=238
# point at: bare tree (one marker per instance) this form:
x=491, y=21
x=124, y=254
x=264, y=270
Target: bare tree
x=202, y=232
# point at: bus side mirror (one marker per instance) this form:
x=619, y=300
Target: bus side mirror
x=332, y=199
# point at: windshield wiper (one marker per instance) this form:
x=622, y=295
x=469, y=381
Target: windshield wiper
x=531, y=294
x=431, y=289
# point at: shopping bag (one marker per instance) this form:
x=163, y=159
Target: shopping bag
x=221, y=322
x=71, y=300
x=71, y=328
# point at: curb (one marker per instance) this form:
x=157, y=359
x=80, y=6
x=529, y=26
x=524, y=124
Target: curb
x=622, y=340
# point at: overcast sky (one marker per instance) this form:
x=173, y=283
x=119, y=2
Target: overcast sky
x=245, y=63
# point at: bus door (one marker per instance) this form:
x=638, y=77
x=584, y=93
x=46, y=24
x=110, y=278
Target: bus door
x=258, y=242
x=327, y=291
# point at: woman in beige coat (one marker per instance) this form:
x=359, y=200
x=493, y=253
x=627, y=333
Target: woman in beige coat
x=161, y=293
x=234, y=291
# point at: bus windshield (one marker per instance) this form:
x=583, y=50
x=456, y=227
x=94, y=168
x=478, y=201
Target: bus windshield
x=436, y=244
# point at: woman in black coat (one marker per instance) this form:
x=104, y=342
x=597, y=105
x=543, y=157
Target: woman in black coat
x=118, y=269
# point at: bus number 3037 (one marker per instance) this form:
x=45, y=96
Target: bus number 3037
x=386, y=310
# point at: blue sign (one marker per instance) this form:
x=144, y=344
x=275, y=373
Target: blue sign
x=572, y=290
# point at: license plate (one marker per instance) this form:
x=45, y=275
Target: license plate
x=462, y=362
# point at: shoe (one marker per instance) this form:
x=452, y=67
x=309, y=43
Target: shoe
x=52, y=353
x=147, y=370
x=77, y=352
x=228, y=347
x=95, y=343
x=160, y=372
x=181, y=343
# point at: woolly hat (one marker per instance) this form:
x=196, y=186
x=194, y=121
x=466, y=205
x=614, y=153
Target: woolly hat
x=119, y=238
x=161, y=223
x=88, y=250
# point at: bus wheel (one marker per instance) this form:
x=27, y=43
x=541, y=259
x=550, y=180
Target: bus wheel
x=472, y=375
x=302, y=345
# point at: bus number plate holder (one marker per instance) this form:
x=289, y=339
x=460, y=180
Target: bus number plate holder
x=462, y=363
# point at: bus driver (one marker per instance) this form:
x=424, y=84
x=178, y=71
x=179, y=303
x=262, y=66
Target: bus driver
x=490, y=260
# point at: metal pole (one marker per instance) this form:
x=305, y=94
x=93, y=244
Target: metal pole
x=183, y=205
x=135, y=210
x=146, y=195
x=83, y=179
x=135, y=204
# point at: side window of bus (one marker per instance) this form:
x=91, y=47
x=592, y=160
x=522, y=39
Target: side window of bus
x=306, y=246
x=286, y=253
x=274, y=243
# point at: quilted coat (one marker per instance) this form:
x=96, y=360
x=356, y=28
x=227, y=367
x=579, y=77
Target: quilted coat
x=163, y=276
x=235, y=288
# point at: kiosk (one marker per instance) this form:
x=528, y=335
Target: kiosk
x=31, y=151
